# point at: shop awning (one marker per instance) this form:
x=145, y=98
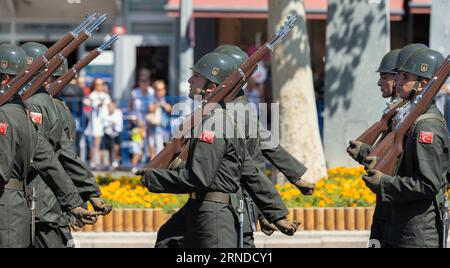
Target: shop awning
x=420, y=6
x=315, y=9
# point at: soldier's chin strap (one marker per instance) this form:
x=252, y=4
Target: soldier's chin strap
x=414, y=90
x=205, y=87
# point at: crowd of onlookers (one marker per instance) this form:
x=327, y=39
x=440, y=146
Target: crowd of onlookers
x=126, y=133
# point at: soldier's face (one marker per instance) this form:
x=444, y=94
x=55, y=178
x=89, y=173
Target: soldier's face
x=196, y=84
x=386, y=84
x=404, y=83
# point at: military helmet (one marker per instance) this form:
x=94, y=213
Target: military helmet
x=12, y=59
x=234, y=51
x=387, y=64
x=62, y=69
x=215, y=67
x=407, y=51
x=423, y=63
x=34, y=50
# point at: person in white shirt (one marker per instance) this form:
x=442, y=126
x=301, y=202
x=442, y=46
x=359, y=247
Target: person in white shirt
x=113, y=126
x=98, y=100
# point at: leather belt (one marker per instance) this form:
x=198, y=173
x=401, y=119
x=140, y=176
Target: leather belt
x=217, y=197
x=15, y=185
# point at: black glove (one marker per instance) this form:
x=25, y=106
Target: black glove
x=100, y=206
x=305, y=187
x=266, y=227
x=354, y=148
x=75, y=224
x=83, y=215
x=373, y=180
x=286, y=226
x=139, y=172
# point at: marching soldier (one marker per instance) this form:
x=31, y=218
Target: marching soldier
x=416, y=192
x=359, y=151
x=23, y=150
x=52, y=229
x=260, y=150
x=213, y=172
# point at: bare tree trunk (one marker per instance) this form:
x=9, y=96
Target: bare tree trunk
x=292, y=83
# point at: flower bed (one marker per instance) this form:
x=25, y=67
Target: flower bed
x=343, y=188
x=340, y=202
x=318, y=219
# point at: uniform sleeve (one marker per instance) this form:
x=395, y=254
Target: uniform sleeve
x=285, y=163
x=262, y=191
x=49, y=168
x=77, y=170
x=200, y=171
x=8, y=150
x=431, y=160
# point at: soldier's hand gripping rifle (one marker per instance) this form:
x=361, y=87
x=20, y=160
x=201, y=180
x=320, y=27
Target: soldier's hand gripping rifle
x=25, y=76
x=371, y=135
x=177, y=148
x=385, y=155
x=57, y=60
x=56, y=87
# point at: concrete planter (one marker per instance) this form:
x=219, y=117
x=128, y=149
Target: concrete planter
x=311, y=219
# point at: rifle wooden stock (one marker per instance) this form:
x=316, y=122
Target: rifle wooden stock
x=226, y=91
x=56, y=87
x=179, y=147
x=371, y=135
x=391, y=147
x=54, y=63
x=23, y=77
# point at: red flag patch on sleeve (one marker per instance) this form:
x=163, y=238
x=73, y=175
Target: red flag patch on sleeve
x=426, y=137
x=3, y=129
x=207, y=136
x=36, y=118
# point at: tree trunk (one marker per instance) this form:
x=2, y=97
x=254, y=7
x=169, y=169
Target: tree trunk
x=292, y=83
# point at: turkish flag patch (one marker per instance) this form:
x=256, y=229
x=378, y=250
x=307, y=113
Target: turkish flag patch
x=36, y=118
x=426, y=137
x=3, y=129
x=207, y=136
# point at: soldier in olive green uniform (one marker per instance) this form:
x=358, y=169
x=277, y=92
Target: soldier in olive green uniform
x=261, y=150
x=24, y=150
x=73, y=165
x=214, y=169
x=359, y=151
x=416, y=192
x=52, y=226
x=172, y=231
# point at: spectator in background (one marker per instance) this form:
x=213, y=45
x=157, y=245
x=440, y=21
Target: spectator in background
x=141, y=98
x=82, y=84
x=113, y=126
x=73, y=96
x=158, y=119
x=137, y=141
x=142, y=95
x=99, y=101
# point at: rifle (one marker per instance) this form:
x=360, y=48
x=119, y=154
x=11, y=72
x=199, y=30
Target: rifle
x=56, y=61
x=178, y=147
x=371, y=135
x=23, y=77
x=384, y=157
x=55, y=87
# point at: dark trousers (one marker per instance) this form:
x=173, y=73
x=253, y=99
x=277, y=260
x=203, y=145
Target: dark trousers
x=48, y=236
x=200, y=224
x=15, y=220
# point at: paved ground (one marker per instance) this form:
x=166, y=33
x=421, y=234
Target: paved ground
x=305, y=239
